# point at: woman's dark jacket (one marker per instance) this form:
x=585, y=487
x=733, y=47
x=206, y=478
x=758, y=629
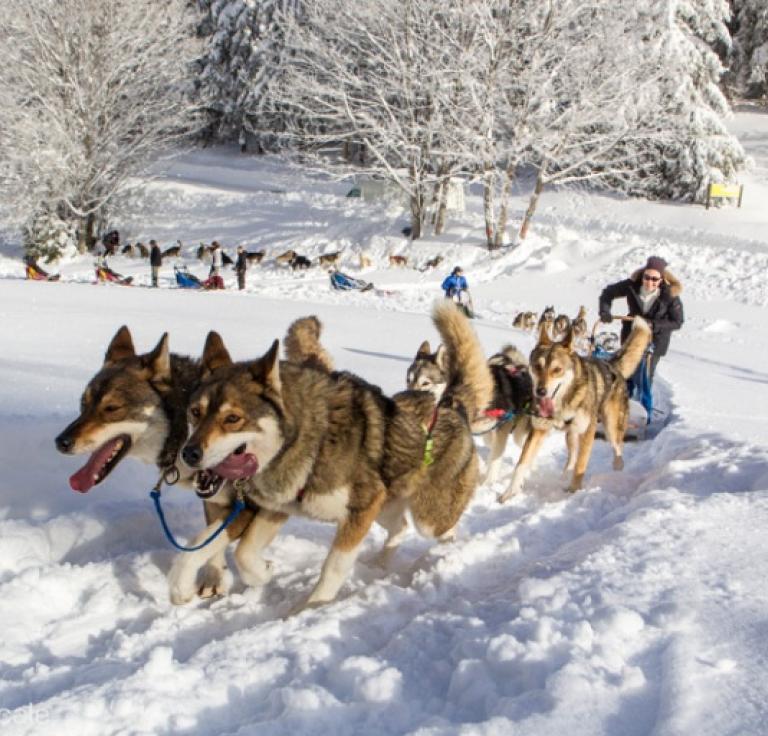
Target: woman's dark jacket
x=665, y=314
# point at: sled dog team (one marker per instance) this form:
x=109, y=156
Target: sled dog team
x=297, y=437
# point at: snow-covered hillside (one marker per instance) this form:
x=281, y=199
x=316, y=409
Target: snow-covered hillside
x=634, y=607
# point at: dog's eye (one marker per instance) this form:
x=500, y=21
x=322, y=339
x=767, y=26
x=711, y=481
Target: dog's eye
x=111, y=408
x=557, y=370
x=231, y=419
x=195, y=412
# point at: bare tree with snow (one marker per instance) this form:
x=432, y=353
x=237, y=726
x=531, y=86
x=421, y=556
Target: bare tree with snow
x=91, y=91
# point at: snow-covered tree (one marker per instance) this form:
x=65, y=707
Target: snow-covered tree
x=91, y=91
x=242, y=56
x=749, y=64
x=683, y=35
x=385, y=75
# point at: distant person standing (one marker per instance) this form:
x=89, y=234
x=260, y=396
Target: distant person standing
x=217, y=261
x=456, y=288
x=241, y=266
x=155, y=261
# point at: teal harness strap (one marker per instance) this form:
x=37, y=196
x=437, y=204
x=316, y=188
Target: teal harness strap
x=236, y=509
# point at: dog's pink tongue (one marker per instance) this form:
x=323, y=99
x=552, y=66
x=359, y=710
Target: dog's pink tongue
x=85, y=478
x=546, y=407
x=234, y=467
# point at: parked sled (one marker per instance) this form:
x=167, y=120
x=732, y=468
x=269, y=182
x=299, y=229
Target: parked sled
x=104, y=275
x=342, y=282
x=35, y=273
x=187, y=280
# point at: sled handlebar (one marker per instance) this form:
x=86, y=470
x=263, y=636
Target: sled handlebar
x=613, y=319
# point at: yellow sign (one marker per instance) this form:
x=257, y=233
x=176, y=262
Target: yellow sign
x=724, y=190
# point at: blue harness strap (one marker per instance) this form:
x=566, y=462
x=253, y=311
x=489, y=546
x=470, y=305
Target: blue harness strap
x=236, y=509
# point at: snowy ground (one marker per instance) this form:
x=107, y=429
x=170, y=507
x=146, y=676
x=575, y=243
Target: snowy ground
x=635, y=607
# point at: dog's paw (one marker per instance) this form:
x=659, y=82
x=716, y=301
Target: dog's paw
x=181, y=581
x=304, y=605
x=618, y=463
x=213, y=582
x=511, y=491
x=256, y=572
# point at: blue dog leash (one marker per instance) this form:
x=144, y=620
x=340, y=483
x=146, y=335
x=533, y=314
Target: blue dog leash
x=155, y=496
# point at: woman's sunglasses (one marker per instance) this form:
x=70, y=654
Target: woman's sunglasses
x=646, y=277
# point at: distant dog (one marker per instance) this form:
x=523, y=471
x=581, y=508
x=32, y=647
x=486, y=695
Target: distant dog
x=547, y=319
x=173, y=252
x=573, y=393
x=580, y=331
x=432, y=263
x=143, y=250
x=285, y=258
x=525, y=321
x=398, y=261
x=127, y=250
x=203, y=252
x=560, y=326
x=329, y=259
x=255, y=256
x=299, y=262
x=226, y=260
x=363, y=260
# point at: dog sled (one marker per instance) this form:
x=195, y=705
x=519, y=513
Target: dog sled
x=644, y=419
x=105, y=275
x=341, y=282
x=187, y=280
x=462, y=299
x=35, y=273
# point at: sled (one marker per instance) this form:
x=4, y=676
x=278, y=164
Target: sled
x=187, y=280
x=644, y=420
x=36, y=274
x=341, y=282
x=106, y=275
x=465, y=306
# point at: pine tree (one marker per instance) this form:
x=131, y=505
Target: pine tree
x=685, y=36
x=749, y=65
x=241, y=60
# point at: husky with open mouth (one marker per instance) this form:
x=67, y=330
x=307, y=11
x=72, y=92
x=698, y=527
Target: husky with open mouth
x=573, y=394
x=304, y=440
x=136, y=406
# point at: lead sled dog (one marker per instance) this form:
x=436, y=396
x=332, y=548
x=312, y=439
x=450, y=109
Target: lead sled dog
x=300, y=439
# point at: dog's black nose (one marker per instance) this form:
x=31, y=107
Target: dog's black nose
x=64, y=443
x=541, y=392
x=192, y=455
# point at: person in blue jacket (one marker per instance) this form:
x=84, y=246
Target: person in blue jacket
x=455, y=287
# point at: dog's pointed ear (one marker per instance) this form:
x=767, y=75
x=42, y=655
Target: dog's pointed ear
x=441, y=358
x=266, y=369
x=215, y=355
x=424, y=350
x=158, y=361
x=567, y=341
x=120, y=348
x=544, y=338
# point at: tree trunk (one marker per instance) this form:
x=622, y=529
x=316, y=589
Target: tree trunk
x=532, y=204
x=501, y=225
x=85, y=237
x=488, y=183
x=417, y=214
x=442, y=203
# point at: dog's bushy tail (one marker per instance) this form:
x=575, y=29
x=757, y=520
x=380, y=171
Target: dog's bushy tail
x=469, y=379
x=631, y=353
x=302, y=344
